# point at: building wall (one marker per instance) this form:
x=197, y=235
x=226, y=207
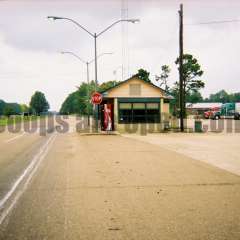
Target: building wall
x=146, y=90
x=165, y=111
x=140, y=128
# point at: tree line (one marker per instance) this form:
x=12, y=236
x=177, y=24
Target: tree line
x=223, y=97
x=38, y=105
x=79, y=101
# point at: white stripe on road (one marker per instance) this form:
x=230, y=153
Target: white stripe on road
x=36, y=161
x=14, y=138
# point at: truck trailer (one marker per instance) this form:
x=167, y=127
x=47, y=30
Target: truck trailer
x=227, y=111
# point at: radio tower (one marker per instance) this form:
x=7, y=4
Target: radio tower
x=125, y=52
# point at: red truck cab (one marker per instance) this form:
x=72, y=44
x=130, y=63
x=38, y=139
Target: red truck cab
x=211, y=113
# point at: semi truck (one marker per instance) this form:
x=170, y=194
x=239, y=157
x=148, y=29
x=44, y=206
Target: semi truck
x=227, y=111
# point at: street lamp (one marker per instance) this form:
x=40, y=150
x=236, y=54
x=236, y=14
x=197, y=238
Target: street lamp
x=87, y=64
x=95, y=36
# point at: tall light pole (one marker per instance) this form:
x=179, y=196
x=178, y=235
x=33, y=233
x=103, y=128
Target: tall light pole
x=87, y=64
x=95, y=36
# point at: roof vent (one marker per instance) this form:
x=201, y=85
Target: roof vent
x=135, y=89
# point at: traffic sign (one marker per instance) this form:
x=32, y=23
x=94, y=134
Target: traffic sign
x=96, y=98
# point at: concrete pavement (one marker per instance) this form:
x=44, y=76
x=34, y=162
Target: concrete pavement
x=218, y=149
x=111, y=187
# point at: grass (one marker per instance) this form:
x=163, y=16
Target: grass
x=4, y=121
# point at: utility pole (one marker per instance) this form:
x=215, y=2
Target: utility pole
x=96, y=81
x=88, y=80
x=88, y=94
x=95, y=36
x=181, y=78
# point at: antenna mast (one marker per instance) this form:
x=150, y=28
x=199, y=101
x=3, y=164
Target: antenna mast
x=125, y=50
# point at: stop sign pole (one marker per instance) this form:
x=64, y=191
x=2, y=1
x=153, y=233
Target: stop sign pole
x=96, y=100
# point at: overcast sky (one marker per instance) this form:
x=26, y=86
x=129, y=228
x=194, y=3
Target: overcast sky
x=30, y=43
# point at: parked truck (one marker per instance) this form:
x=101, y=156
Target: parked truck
x=227, y=111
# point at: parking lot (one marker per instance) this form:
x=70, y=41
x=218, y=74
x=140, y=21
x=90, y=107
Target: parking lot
x=218, y=148
x=209, y=125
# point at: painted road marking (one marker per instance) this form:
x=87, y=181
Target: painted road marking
x=14, y=138
x=36, y=161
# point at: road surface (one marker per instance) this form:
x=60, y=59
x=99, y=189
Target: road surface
x=69, y=186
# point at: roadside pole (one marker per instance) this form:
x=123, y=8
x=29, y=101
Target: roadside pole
x=88, y=80
x=96, y=81
x=96, y=99
x=88, y=94
x=95, y=35
x=181, y=80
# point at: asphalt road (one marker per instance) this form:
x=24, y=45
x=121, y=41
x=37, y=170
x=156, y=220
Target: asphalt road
x=67, y=186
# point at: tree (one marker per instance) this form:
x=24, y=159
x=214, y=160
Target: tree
x=221, y=96
x=39, y=103
x=194, y=97
x=11, y=109
x=79, y=102
x=2, y=105
x=84, y=98
x=24, y=108
x=143, y=74
x=164, y=77
x=191, y=74
x=224, y=97
x=8, y=111
x=71, y=104
x=106, y=85
x=236, y=97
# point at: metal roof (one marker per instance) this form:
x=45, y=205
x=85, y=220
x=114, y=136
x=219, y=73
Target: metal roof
x=203, y=105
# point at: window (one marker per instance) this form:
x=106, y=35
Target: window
x=139, y=112
x=125, y=112
x=152, y=112
x=135, y=89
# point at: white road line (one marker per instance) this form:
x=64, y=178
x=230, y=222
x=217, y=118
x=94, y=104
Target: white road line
x=14, y=138
x=36, y=161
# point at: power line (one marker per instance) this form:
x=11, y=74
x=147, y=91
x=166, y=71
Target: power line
x=214, y=22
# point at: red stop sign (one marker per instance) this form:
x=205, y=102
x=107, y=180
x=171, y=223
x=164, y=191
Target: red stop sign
x=96, y=98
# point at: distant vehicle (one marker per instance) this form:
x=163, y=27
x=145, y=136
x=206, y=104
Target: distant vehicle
x=211, y=113
x=227, y=111
x=25, y=114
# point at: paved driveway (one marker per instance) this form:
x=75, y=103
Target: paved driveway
x=218, y=149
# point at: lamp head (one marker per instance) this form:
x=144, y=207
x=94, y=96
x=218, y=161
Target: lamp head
x=134, y=20
x=54, y=17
